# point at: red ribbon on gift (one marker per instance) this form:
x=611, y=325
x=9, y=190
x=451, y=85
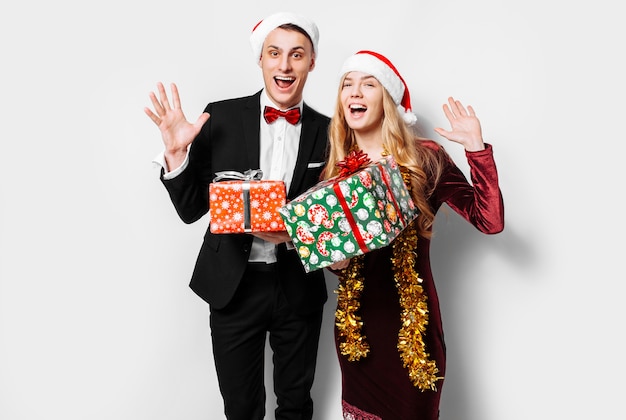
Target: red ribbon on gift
x=385, y=176
x=350, y=217
x=355, y=160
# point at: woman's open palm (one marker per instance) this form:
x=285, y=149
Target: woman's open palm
x=465, y=126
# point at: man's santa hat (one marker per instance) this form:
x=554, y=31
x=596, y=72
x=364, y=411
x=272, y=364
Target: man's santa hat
x=267, y=25
x=384, y=71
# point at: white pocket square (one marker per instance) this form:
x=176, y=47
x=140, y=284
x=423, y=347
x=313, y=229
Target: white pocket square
x=315, y=164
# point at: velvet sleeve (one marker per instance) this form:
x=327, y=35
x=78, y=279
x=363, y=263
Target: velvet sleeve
x=479, y=202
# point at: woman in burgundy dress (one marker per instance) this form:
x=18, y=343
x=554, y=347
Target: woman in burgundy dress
x=388, y=324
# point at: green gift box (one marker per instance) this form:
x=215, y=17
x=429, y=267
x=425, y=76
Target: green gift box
x=349, y=215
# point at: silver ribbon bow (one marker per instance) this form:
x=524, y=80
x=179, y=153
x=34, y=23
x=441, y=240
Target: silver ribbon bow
x=249, y=175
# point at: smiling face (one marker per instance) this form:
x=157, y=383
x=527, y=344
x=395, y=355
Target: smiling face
x=286, y=60
x=362, y=102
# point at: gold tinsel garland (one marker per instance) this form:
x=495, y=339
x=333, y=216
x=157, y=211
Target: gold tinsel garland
x=349, y=323
x=414, y=314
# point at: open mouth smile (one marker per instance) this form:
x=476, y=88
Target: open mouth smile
x=284, y=81
x=357, y=109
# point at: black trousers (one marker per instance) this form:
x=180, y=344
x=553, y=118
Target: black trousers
x=239, y=334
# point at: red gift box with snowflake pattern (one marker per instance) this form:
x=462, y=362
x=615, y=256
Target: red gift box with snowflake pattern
x=248, y=205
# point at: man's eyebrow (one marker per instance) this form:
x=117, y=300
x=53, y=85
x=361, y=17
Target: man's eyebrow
x=299, y=47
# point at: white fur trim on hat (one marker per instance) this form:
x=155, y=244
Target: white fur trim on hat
x=267, y=25
x=383, y=70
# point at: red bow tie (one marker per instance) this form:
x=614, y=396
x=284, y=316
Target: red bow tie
x=272, y=114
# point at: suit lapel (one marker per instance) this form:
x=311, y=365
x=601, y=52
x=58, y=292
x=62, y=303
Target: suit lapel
x=251, y=130
x=308, y=138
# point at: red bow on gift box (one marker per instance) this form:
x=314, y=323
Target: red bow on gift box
x=355, y=160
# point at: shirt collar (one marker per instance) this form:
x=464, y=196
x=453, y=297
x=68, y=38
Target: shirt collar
x=266, y=101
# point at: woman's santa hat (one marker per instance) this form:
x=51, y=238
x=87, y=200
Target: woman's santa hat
x=381, y=68
x=267, y=25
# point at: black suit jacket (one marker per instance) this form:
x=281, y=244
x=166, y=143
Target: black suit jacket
x=230, y=141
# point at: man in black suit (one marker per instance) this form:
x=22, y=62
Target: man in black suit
x=254, y=284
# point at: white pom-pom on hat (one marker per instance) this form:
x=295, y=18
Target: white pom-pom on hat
x=267, y=25
x=385, y=72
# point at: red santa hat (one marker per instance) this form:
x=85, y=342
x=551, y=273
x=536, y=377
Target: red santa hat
x=385, y=72
x=267, y=25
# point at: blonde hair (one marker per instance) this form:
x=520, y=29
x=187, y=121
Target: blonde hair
x=423, y=163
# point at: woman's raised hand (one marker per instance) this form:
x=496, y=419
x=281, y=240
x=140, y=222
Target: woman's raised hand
x=465, y=126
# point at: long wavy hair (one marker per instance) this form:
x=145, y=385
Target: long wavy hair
x=424, y=163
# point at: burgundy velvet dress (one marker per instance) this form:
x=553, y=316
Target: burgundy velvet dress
x=378, y=386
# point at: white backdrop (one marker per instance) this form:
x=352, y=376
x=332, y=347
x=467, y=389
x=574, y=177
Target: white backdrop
x=96, y=319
